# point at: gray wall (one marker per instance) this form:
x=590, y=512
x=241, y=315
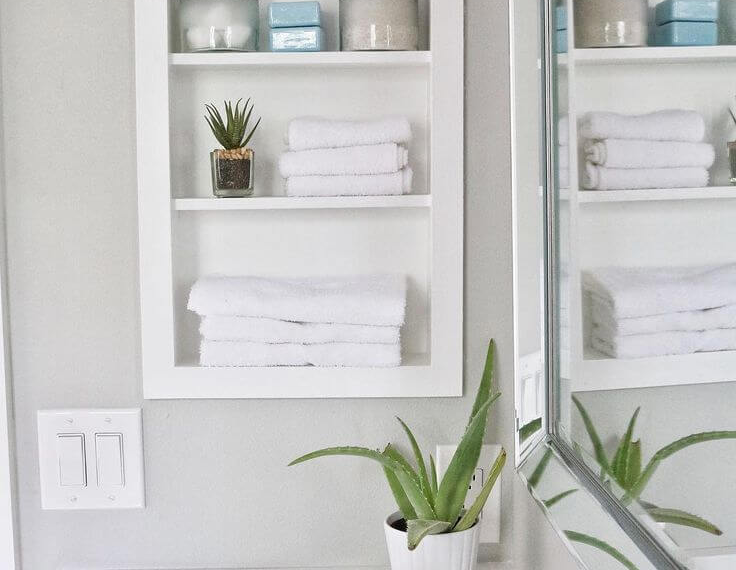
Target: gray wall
x=218, y=491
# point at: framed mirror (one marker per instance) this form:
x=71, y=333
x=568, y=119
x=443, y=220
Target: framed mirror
x=625, y=285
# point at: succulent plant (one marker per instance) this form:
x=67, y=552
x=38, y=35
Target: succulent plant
x=428, y=505
x=232, y=134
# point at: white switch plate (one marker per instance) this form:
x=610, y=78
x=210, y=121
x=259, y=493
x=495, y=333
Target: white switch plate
x=91, y=459
x=490, y=531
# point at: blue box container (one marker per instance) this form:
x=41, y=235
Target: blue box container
x=561, y=17
x=561, y=41
x=687, y=11
x=294, y=14
x=297, y=39
x=687, y=34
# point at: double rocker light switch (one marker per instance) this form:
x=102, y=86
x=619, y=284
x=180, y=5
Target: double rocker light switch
x=90, y=459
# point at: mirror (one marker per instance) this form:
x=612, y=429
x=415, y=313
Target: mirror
x=625, y=281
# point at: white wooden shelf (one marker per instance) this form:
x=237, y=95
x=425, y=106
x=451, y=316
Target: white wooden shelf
x=656, y=195
x=646, y=55
x=313, y=59
x=316, y=203
x=599, y=372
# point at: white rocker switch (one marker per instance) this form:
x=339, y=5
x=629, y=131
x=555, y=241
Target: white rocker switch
x=110, y=469
x=72, y=462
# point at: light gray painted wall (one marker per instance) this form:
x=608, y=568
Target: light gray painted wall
x=218, y=491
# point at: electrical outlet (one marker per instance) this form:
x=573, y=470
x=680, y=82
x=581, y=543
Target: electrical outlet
x=491, y=530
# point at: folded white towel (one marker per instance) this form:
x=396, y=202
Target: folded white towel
x=273, y=331
x=228, y=353
x=393, y=184
x=362, y=300
x=669, y=125
x=664, y=343
x=372, y=159
x=602, y=178
x=621, y=153
x=646, y=291
x=310, y=132
x=707, y=319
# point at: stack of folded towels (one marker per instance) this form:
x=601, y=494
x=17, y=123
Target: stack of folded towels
x=319, y=321
x=639, y=312
x=347, y=158
x=657, y=150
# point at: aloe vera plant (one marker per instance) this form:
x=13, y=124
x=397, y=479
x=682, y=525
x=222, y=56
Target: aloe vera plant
x=429, y=505
x=232, y=133
x=628, y=471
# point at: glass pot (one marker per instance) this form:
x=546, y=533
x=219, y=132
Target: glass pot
x=379, y=25
x=232, y=173
x=218, y=25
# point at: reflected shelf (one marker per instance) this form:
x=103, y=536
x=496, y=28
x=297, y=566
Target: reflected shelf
x=305, y=59
x=658, y=194
x=647, y=55
x=294, y=203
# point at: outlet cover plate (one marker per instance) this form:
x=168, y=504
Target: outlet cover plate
x=490, y=532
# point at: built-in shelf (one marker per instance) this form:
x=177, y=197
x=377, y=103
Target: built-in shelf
x=656, y=195
x=316, y=203
x=313, y=59
x=645, y=55
x=600, y=372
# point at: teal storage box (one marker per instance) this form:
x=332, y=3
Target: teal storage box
x=297, y=39
x=687, y=11
x=561, y=41
x=561, y=17
x=687, y=34
x=294, y=14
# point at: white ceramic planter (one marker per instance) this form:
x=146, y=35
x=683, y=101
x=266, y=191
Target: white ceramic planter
x=453, y=551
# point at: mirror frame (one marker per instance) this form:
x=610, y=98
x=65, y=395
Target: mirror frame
x=550, y=435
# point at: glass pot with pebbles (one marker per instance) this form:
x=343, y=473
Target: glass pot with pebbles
x=218, y=25
x=379, y=25
x=232, y=165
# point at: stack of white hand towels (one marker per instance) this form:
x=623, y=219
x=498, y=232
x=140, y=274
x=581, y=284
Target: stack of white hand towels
x=663, y=149
x=319, y=321
x=639, y=312
x=347, y=158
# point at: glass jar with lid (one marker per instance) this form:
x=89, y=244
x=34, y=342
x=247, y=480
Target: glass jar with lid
x=218, y=25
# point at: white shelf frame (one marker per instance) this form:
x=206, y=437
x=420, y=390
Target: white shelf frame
x=647, y=55
x=657, y=195
x=436, y=374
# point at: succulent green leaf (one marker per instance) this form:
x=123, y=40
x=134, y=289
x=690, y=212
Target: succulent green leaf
x=528, y=430
x=402, y=501
x=472, y=514
x=678, y=517
x=595, y=440
x=539, y=470
x=421, y=467
x=549, y=503
x=419, y=528
x=620, y=464
x=486, y=382
x=600, y=545
x=396, y=455
x=633, y=467
x=433, y=475
x=231, y=133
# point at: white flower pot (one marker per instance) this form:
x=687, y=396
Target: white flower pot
x=453, y=551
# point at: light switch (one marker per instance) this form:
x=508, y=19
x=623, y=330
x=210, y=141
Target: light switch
x=110, y=469
x=72, y=462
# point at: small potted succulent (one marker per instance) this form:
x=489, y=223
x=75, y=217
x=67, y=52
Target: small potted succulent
x=432, y=529
x=232, y=165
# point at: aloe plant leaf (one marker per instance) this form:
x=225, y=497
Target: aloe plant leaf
x=396, y=455
x=528, y=430
x=419, y=528
x=472, y=514
x=414, y=493
x=670, y=450
x=600, y=545
x=422, y=468
x=549, y=503
x=633, y=468
x=682, y=518
x=600, y=453
x=486, y=382
x=620, y=464
x=402, y=501
x=433, y=475
x=539, y=470
x=252, y=132
x=454, y=486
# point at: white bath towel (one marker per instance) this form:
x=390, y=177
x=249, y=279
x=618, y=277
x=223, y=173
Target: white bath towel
x=393, y=184
x=227, y=353
x=362, y=300
x=621, y=153
x=307, y=133
x=372, y=159
x=664, y=343
x=646, y=291
x=272, y=331
x=602, y=178
x=669, y=125
x=707, y=319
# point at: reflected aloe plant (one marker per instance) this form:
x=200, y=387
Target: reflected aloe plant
x=627, y=470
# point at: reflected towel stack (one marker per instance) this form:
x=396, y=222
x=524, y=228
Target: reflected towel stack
x=657, y=150
x=639, y=312
x=319, y=321
x=347, y=158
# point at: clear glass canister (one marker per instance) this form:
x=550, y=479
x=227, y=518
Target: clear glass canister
x=379, y=25
x=218, y=25
x=611, y=23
